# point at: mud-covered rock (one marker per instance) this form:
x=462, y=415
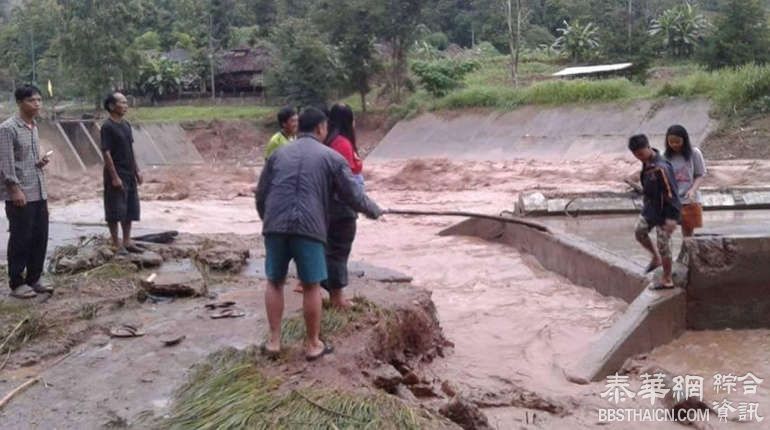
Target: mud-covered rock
x=448, y=388
x=411, y=378
x=224, y=259
x=73, y=259
x=146, y=259
x=423, y=390
x=386, y=378
x=183, y=284
x=465, y=414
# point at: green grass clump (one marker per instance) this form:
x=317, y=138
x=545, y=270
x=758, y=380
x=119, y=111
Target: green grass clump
x=582, y=90
x=741, y=90
x=746, y=88
x=32, y=326
x=200, y=113
x=332, y=320
x=698, y=84
x=228, y=391
x=544, y=93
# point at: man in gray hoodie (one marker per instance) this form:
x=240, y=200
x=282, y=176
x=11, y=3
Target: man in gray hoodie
x=293, y=199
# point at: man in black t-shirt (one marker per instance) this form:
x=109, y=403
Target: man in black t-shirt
x=121, y=174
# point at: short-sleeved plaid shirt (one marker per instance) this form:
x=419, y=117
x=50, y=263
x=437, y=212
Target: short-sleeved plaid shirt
x=19, y=154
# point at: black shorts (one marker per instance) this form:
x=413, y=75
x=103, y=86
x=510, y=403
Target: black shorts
x=339, y=243
x=121, y=205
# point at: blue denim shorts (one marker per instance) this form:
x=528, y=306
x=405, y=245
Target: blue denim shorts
x=308, y=256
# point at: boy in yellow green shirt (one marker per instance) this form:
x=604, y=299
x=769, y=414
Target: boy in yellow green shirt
x=289, y=122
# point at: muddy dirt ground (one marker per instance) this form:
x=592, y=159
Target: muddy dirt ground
x=515, y=327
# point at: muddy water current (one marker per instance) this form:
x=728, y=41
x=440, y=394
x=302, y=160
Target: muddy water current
x=513, y=323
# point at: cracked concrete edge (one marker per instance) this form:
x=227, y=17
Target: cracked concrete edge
x=538, y=204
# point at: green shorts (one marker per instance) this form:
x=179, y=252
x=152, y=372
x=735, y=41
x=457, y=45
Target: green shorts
x=308, y=256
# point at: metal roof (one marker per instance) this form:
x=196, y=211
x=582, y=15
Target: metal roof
x=587, y=70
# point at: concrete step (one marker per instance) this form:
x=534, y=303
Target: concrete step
x=654, y=318
x=539, y=204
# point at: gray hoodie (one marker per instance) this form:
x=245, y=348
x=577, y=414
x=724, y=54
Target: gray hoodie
x=296, y=187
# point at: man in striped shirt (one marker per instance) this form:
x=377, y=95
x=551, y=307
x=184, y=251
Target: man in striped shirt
x=24, y=192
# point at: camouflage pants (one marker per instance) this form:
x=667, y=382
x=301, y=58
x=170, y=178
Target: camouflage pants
x=662, y=240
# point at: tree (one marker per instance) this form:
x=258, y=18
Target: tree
x=96, y=45
x=304, y=69
x=577, y=40
x=741, y=36
x=439, y=77
x=397, y=25
x=159, y=77
x=148, y=41
x=681, y=27
x=514, y=38
x=32, y=33
x=349, y=24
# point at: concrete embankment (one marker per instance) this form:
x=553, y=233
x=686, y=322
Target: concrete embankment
x=76, y=145
x=534, y=132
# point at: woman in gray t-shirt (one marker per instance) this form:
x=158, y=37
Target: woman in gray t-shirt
x=689, y=170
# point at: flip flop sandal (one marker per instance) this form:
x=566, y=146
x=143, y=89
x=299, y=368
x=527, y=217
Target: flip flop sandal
x=328, y=349
x=268, y=353
x=651, y=267
x=660, y=286
x=126, y=330
x=174, y=342
x=228, y=313
x=212, y=306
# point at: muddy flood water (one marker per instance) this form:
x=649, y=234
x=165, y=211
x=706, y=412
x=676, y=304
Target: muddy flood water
x=515, y=325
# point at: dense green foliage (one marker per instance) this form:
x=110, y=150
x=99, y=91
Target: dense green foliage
x=439, y=77
x=340, y=47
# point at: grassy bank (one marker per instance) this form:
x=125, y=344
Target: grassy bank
x=735, y=92
x=229, y=391
x=200, y=113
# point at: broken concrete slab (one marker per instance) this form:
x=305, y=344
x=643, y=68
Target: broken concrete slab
x=653, y=319
x=729, y=279
x=221, y=258
x=184, y=284
x=356, y=269
x=380, y=274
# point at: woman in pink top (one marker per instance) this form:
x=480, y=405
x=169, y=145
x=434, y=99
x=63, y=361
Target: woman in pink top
x=342, y=219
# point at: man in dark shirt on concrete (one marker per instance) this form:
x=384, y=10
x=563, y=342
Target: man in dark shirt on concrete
x=121, y=174
x=661, y=209
x=24, y=192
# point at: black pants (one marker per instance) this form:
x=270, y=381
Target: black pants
x=27, y=242
x=339, y=243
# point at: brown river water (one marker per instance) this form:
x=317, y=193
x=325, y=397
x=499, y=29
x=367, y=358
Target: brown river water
x=513, y=323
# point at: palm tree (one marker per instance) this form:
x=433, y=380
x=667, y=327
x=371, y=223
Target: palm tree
x=577, y=40
x=681, y=27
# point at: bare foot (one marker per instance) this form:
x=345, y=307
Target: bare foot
x=342, y=304
x=338, y=300
x=271, y=349
x=317, y=351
